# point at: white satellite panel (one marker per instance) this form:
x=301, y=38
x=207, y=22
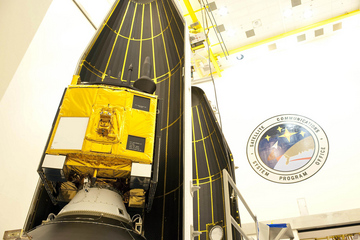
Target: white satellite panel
x=70, y=133
x=54, y=161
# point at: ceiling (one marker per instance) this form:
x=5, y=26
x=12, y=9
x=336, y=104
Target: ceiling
x=251, y=23
x=250, y=28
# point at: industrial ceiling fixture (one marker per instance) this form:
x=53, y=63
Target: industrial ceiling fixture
x=223, y=11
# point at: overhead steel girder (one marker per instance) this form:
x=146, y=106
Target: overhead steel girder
x=293, y=32
x=200, y=28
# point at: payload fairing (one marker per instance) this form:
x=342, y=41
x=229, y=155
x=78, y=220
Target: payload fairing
x=113, y=163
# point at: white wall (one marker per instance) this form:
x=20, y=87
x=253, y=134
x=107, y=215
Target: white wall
x=319, y=80
x=28, y=107
x=19, y=21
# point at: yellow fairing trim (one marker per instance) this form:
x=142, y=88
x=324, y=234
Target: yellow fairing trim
x=112, y=119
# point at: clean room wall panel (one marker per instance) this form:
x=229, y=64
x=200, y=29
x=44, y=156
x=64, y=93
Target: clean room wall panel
x=319, y=80
x=19, y=20
x=29, y=105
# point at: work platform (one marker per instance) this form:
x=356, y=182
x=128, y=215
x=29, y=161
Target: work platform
x=263, y=231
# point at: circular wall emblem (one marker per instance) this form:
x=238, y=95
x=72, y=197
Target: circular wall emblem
x=287, y=148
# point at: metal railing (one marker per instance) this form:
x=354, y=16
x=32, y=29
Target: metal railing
x=230, y=221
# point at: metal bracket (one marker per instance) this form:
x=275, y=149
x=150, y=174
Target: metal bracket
x=193, y=188
x=87, y=184
x=194, y=234
x=280, y=234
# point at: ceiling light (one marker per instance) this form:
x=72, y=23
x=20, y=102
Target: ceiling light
x=308, y=13
x=230, y=32
x=287, y=13
x=257, y=23
x=223, y=11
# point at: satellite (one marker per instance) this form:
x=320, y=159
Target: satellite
x=112, y=167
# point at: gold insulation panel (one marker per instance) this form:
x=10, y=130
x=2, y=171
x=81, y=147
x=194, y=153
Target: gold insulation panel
x=120, y=130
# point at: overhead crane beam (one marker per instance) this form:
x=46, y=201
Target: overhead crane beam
x=199, y=28
x=293, y=32
x=195, y=11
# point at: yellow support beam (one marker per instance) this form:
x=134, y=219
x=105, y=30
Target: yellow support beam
x=214, y=62
x=214, y=45
x=194, y=20
x=198, y=47
x=197, y=65
x=191, y=11
x=210, y=28
x=195, y=11
x=293, y=32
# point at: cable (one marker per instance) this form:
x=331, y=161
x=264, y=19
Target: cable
x=231, y=169
x=136, y=217
x=208, y=49
x=85, y=14
x=217, y=32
